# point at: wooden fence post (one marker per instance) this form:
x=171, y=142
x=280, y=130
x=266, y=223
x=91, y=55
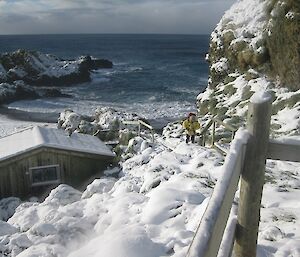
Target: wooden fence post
x=213, y=134
x=139, y=129
x=203, y=139
x=252, y=179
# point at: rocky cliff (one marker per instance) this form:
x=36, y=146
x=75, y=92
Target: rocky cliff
x=256, y=46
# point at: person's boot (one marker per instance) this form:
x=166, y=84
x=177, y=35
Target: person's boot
x=193, y=139
x=187, y=139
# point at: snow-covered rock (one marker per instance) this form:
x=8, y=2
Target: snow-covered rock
x=35, y=68
x=110, y=118
x=63, y=195
x=7, y=229
x=100, y=186
x=21, y=70
x=104, y=119
x=250, y=51
x=2, y=72
x=10, y=92
x=8, y=207
x=272, y=233
x=69, y=120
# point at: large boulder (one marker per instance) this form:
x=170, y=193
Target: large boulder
x=88, y=63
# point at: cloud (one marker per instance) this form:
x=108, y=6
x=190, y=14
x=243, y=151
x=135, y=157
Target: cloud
x=110, y=16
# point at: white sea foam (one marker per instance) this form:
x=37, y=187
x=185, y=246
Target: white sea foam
x=149, y=110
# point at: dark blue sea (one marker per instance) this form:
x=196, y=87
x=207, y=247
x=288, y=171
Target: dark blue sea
x=154, y=75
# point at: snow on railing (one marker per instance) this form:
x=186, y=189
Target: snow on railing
x=213, y=123
x=209, y=234
x=140, y=124
x=246, y=162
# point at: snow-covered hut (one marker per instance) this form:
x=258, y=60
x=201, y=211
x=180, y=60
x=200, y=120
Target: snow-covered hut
x=38, y=158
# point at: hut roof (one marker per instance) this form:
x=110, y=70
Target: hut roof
x=36, y=137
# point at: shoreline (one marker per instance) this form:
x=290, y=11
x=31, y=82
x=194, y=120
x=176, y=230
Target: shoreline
x=52, y=117
x=10, y=116
x=18, y=115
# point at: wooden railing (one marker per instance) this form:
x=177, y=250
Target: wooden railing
x=140, y=124
x=213, y=123
x=246, y=162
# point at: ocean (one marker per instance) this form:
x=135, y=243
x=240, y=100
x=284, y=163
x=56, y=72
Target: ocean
x=155, y=76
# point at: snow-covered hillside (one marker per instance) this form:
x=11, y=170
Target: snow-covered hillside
x=152, y=210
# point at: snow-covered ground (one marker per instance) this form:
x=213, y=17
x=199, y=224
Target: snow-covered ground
x=152, y=209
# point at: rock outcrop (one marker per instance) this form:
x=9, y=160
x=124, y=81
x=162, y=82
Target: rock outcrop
x=16, y=91
x=283, y=42
x=35, y=68
x=25, y=74
x=255, y=46
x=105, y=123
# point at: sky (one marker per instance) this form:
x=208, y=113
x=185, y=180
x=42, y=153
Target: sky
x=110, y=16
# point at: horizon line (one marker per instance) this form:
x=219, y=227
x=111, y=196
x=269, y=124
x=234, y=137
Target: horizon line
x=112, y=33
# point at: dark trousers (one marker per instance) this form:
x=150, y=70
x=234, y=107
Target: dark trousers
x=188, y=137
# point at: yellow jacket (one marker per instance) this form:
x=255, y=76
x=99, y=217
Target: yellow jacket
x=191, y=126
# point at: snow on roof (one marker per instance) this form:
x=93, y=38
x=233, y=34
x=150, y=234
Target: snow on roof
x=36, y=137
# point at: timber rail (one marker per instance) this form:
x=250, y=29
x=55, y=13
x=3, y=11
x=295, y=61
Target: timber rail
x=245, y=162
x=140, y=124
x=213, y=123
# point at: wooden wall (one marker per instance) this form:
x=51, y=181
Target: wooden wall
x=75, y=169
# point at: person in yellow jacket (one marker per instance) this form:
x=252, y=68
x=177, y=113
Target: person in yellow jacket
x=191, y=125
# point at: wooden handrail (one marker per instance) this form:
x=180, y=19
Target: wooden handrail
x=203, y=131
x=130, y=122
x=209, y=234
x=284, y=150
x=146, y=125
x=245, y=161
x=140, y=123
x=227, y=126
x=213, y=123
